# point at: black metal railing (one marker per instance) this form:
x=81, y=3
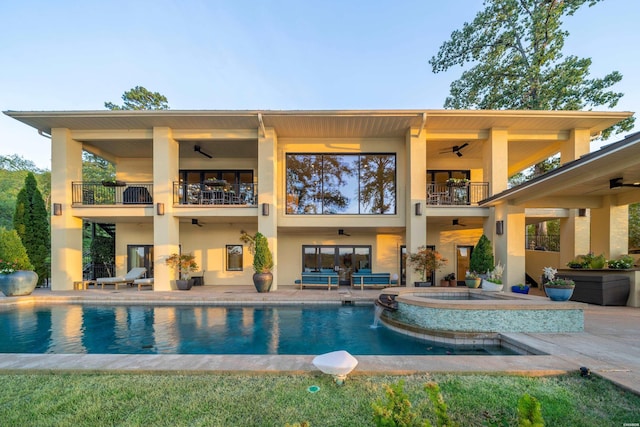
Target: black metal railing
x=459, y=194
x=215, y=193
x=543, y=242
x=112, y=193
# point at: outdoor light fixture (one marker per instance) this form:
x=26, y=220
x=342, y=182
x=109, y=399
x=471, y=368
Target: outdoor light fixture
x=337, y=363
x=418, y=207
x=57, y=209
x=500, y=227
x=582, y=212
x=265, y=209
x=160, y=208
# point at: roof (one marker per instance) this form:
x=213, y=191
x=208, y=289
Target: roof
x=324, y=123
x=582, y=183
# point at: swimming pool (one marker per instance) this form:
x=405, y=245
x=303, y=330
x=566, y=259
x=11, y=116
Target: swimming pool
x=189, y=329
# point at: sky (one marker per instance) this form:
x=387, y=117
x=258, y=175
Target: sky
x=259, y=54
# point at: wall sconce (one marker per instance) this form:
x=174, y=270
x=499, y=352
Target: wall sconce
x=160, y=208
x=418, y=207
x=57, y=209
x=265, y=209
x=500, y=227
x=582, y=212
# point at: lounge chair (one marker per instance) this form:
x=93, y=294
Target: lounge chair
x=131, y=276
x=144, y=282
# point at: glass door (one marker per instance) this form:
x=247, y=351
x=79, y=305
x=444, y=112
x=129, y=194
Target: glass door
x=140, y=256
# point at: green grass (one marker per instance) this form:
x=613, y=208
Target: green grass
x=66, y=399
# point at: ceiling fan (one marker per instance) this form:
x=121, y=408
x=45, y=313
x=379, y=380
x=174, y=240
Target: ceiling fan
x=455, y=149
x=194, y=221
x=342, y=233
x=456, y=222
x=197, y=149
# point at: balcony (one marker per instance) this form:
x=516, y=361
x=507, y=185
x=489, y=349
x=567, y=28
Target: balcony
x=456, y=194
x=216, y=192
x=110, y=193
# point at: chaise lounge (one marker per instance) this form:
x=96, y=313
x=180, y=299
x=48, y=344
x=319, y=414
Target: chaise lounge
x=128, y=279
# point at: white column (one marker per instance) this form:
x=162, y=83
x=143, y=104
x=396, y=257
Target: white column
x=166, y=228
x=66, y=230
x=575, y=236
x=267, y=194
x=509, y=247
x=416, y=192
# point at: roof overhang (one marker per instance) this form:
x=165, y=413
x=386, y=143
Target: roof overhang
x=326, y=123
x=582, y=183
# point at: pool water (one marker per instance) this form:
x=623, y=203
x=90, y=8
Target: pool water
x=110, y=329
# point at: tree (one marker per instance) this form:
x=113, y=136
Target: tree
x=31, y=223
x=482, y=256
x=13, y=171
x=140, y=98
x=516, y=46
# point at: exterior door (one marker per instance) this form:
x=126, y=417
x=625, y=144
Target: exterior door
x=140, y=256
x=463, y=258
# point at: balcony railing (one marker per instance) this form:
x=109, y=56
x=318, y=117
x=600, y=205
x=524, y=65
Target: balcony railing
x=112, y=193
x=218, y=193
x=462, y=193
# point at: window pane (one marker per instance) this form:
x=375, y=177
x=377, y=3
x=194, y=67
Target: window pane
x=378, y=184
x=339, y=184
x=234, y=258
x=304, y=184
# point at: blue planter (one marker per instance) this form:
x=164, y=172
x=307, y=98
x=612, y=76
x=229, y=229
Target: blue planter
x=21, y=282
x=519, y=290
x=558, y=294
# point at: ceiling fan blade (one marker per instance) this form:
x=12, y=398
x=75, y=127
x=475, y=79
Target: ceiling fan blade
x=197, y=149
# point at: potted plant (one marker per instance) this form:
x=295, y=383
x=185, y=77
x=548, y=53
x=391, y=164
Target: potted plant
x=457, y=182
x=451, y=279
x=17, y=277
x=471, y=279
x=493, y=282
x=557, y=289
x=595, y=262
x=482, y=256
x=425, y=261
x=520, y=289
x=623, y=262
x=262, y=260
x=186, y=264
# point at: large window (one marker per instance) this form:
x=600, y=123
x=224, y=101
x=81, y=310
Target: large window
x=327, y=184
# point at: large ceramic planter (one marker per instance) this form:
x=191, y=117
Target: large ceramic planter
x=558, y=294
x=18, y=283
x=473, y=283
x=184, y=285
x=263, y=281
x=490, y=286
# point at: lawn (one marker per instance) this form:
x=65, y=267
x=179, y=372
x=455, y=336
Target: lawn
x=80, y=399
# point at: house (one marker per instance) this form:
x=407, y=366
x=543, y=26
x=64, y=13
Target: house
x=336, y=190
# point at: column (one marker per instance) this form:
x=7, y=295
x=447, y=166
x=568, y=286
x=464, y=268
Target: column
x=166, y=228
x=610, y=228
x=416, y=193
x=267, y=185
x=575, y=236
x=579, y=143
x=66, y=230
x=509, y=247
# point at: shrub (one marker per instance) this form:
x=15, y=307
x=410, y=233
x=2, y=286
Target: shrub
x=12, y=251
x=262, y=258
x=482, y=256
x=529, y=412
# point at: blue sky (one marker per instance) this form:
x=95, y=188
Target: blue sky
x=249, y=54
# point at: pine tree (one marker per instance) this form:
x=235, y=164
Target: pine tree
x=482, y=256
x=30, y=221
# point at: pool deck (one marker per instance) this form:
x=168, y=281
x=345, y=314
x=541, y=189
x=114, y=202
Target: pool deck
x=609, y=345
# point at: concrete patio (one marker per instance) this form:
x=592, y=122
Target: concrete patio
x=609, y=346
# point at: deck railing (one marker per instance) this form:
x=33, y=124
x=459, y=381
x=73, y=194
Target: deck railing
x=465, y=193
x=215, y=193
x=112, y=193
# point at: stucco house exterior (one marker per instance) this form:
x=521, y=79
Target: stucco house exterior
x=342, y=190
